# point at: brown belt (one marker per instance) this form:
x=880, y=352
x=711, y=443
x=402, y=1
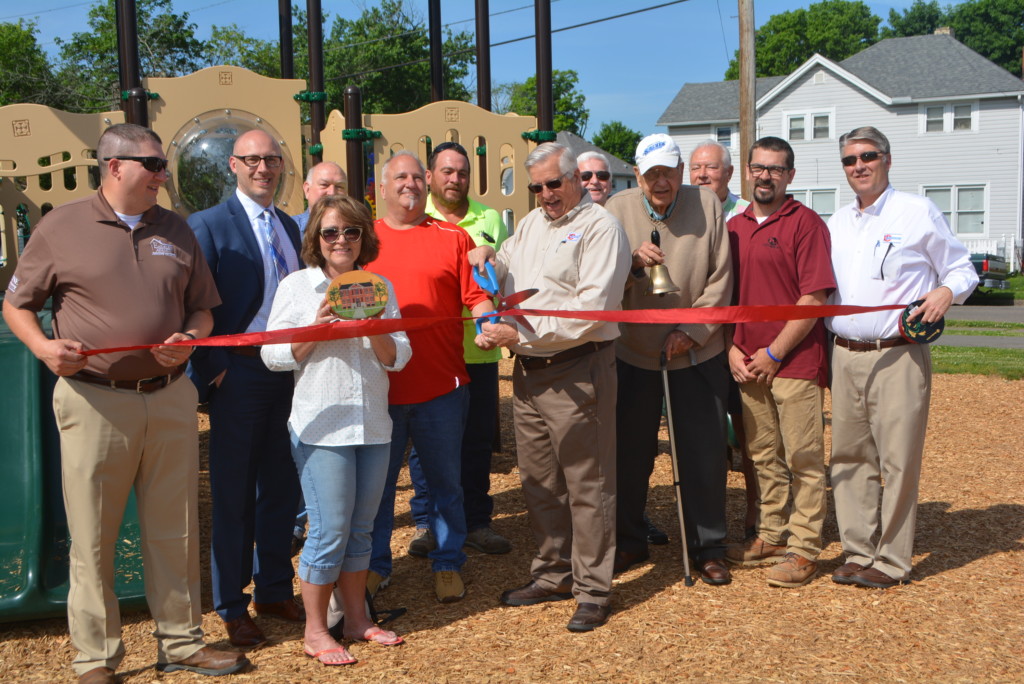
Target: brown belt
x=144, y=386
x=540, y=362
x=244, y=351
x=875, y=345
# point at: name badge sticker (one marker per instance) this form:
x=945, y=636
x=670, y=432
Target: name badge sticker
x=573, y=237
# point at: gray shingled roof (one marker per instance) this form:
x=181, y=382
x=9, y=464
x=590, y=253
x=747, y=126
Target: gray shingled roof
x=578, y=146
x=929, y=66
x=914, y=67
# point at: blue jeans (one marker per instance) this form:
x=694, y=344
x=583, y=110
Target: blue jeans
x=342, y=486
x=435, y=427
x=477, y=446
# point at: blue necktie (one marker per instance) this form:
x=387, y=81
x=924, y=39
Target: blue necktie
x=276, y=252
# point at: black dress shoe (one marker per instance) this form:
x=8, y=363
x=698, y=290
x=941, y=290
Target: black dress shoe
x=532, y=593
x=624, y=560
x=588, y=616
x=654, y=535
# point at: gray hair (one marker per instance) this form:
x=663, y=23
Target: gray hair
x=122, y=139
x=726, y=155
x=869, y=133
x=314, y=167
x=587, y=156
x=566, y=163
x=396, y=155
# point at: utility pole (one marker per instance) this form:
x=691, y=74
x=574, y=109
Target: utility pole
x=748, y=113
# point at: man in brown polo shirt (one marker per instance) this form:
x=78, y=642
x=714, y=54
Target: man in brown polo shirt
x=123, y=271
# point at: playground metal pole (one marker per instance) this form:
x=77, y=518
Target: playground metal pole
x=354, y=147
x=134, y=100
x=284, y=24
x=317, y=117
x=545, y=103
x=483, y=54
x=436, y=56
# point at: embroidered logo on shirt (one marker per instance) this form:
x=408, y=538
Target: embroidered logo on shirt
x=894, y=238
x=161, y=248
x=773, y=242
x=13, y=285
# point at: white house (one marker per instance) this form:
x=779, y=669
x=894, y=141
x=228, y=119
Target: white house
x=954, y=119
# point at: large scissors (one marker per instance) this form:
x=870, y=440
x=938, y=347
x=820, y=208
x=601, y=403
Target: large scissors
x=489, y=282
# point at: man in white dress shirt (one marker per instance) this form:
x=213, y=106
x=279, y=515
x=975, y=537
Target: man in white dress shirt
x=888, y=247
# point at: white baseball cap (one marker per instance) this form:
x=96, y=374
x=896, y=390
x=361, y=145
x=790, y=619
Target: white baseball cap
x=657, y=150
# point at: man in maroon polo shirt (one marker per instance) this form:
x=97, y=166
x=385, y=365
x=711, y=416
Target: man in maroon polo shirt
x=782, y=256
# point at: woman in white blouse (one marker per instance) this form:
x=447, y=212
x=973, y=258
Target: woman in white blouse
x=339, y=423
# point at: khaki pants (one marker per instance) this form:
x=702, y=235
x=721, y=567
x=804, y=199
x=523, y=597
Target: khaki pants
x=786, y=441
x=565, y=438
x=879, y=420
x=113, y=440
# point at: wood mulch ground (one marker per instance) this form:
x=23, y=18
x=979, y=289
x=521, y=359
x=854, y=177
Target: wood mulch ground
x=960, y=620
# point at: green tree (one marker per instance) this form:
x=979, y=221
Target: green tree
x=25, y=72
x=89, y=60
x=992, y=28
x=919, y=19
x=618, y=139
x=386, y=52
x=571, y=113
x=834, y=29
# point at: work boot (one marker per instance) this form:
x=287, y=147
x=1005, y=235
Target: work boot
x=422, y=543
x=487, y=540
x=794, y=571
x=448, y=586
x=754, y=551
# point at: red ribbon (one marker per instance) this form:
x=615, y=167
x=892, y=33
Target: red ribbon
x=339, y=330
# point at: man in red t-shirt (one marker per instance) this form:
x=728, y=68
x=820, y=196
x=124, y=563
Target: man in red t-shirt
x=425, y=259
x=781, y=256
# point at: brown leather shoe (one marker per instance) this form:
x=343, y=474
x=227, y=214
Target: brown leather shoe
x=99, y=675
x=795, y=571
x=715, y=572
x=842, y=574
x=291, y=610
x=243, y=632
x=624, y=560
x=588, y=616
x=208, y=661
x=532, y=593
x=754, y=551
x=875, y=579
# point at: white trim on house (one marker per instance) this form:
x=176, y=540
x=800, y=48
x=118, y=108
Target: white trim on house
x=949, y=111
x=825, y=63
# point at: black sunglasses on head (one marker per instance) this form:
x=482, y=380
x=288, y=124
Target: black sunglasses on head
x=601, y=175
x=151, y=164
x=350, y=233
x=866, y=157
x=550, y=185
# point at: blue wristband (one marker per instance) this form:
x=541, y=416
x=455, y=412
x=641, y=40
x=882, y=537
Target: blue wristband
x=771, y=356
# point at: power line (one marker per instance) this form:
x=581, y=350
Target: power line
x=508, y=42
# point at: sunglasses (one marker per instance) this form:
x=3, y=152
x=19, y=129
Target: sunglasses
x=331, y=235
x=151, y=164
x=272, y=161
x=866, y=157
x=550, y=185
x=601, y=175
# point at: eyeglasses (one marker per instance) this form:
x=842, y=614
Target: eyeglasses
x=151, y=164
x=350, y=233
x=272, y=161
x=601, y=175
x=757, y=170
x=550, y=185
x=866, y=157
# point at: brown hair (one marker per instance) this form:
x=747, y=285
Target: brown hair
x=353, y=213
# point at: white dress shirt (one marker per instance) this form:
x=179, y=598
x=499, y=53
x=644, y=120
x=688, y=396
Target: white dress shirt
x=253, y=211
x=893, y=252
x=341, y=389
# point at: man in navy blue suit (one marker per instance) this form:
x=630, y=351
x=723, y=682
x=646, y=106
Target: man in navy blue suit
x=250, y=246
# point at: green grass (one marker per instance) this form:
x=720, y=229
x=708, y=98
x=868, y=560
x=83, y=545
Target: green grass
x=1006, y=363
x=994, y=296
x=1000, y=325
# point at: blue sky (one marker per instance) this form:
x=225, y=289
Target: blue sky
x=630, y=68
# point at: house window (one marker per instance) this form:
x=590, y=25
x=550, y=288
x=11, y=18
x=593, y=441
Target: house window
x=821, y=200
x=949, y=118
x=962, y=205
x=723, y=134
x=809, y=126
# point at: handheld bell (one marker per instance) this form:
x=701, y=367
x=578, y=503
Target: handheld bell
x=661, y=284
